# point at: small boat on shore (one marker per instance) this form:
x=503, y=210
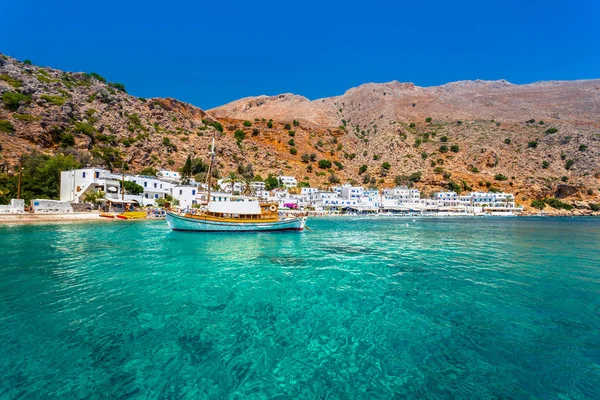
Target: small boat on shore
x=107, y=215
x=132, y=215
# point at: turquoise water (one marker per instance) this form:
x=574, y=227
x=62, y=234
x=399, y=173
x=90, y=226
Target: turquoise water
x=356, y=308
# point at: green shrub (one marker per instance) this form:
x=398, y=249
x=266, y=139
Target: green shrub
x=291, y=142
x=454, y=148
x=67, y=140
x=531, y=121
x=444, y=139
x=239, y=135
x=27, y=62
x=304, y=158
x=564, y=179
x=376, y=157
x=13, y=100
x=292, y=133
x=11, y=81
x=295, y=123
x=54, y=100
x=556, y=203
x=507, y=141
x=97, y=76
x=362, y=169
x=443, y=148
x=550, y=131
x=247, y=124
x=539, y=204
x=25, y=117
x=423, y=155
x=85, y=128
x=269, y=124
x=412, y=125
x=313, y=157
x=293, y=151
x=595, y=207
x=386, y=165
x=428, y=119
x=473, y=169
x=288, y=126
x=324, y=164
x=455, y=187
x=569, y=164
x=6, y=126
x=339, y=165
x=118, y=86
x=500, y=177
x=438, y=170
x=532, y=144
x=545, y=165
x=582, y=147
x=563, y=156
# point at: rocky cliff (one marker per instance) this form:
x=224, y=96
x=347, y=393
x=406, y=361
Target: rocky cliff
x=527, y=139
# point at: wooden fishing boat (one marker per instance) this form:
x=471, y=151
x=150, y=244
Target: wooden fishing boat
x=235, y=214
x=239, y=215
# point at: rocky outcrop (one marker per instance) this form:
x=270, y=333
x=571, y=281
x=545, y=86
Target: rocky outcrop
x=536, y=141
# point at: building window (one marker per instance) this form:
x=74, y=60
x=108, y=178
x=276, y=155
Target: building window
x=83, y=174
x=97, y=174
x=155, y=184
x=180, y=192
x=146, y=195
x=156, y=196
x=193, y=192
x=145, y=184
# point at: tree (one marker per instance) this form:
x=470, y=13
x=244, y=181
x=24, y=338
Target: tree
x=41, y=177
x=444, y=139
x=269, y=124
x=386, y=165
x=362, y=169
x=532, y=144
x=324, y=164
x=545, y=165
x=288, y=126
x=27, y=62
x=247, y=124
x=246, y=171
x=148, y=171
x=569, y=164
x=186, y=171
x=272, y=182
x=507, y=141
x=13, y=100
x=313, y=157
x=443, y=148
x=239, y=135
x=296, y=123
x=231, y=179
x=428, y=119
x=132, y=188
x=454, y=148
x=293, y=151
x=305, y=158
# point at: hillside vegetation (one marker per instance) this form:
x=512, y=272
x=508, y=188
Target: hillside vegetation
x=538, y=141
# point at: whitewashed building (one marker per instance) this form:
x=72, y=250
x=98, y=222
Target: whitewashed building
x=288, y=181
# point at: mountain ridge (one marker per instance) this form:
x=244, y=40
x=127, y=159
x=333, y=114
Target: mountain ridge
x=531, y=142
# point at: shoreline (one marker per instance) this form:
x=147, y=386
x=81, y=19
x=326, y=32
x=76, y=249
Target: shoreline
x=30, y=218
x=53, y=218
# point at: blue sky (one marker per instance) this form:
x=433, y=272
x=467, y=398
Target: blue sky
x=210, y=53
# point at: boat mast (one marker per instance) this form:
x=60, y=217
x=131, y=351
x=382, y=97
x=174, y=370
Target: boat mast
x=212, y=158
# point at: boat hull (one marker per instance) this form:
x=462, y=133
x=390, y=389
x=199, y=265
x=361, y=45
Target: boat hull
x=182, y=223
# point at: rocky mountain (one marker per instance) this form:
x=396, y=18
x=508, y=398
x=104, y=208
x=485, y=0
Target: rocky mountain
x=537, y=141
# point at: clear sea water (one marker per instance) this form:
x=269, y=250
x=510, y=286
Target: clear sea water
x=354, y=309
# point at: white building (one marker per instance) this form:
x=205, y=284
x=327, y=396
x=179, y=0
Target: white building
x=288, y=181
x=76, y=184
x=172, y=176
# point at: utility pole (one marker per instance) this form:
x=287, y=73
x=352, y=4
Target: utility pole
x=20, y=177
